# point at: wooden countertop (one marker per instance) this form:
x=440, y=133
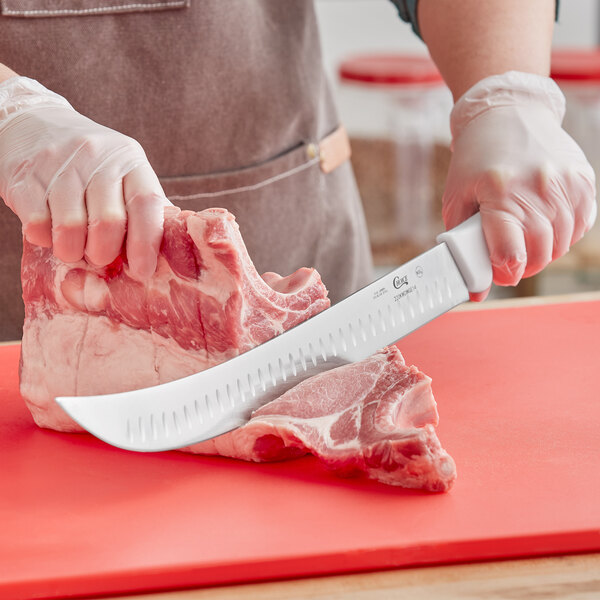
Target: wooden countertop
x=563, y=577
x=572, y=577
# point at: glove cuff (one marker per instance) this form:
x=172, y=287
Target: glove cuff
x=512, y=88
x=22, y=93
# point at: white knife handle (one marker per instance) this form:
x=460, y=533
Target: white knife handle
x=466, y=243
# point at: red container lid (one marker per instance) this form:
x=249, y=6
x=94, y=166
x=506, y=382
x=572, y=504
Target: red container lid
x=390, y=69
x=575, y=65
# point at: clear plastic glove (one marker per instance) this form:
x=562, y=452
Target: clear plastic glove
x=77, y=186
x=514, y=163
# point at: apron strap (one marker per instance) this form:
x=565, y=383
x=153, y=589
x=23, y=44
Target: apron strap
x=332, y=150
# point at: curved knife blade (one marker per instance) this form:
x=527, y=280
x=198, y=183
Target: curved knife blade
x=212, y=402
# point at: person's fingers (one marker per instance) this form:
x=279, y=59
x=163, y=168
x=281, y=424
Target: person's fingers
x=588, y=221
x=38, y=230
x=28, y=202
x=581, y=189
x=454, y=213
x=539, y=244
x=502, y=229
x=107, y=218
x=69, y=216
x=506, y=242
x=563, y=225
x=554, y=196
x=479, y=296
x=458, y=204
x=144, y=202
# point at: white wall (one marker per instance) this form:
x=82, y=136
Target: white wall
x=355, y=26
x=578, y=24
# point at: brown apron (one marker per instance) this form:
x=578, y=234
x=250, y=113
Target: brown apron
x=229, y=100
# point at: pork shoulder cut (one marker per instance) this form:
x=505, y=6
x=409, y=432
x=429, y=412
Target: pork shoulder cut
x=90, y=331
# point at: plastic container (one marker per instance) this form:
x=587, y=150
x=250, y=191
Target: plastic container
x=577, y=72
x=396, y=109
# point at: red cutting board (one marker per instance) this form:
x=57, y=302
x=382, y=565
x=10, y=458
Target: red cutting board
x=517, y=390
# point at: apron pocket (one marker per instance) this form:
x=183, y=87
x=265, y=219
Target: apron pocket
x=240, y=181
x=277, y=205
x=294, y=210
x=66, y=8
x=329, y=153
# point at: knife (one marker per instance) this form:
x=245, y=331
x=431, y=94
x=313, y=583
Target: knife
x=221, y=398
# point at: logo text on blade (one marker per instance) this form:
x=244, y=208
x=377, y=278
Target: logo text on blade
x=400, y=281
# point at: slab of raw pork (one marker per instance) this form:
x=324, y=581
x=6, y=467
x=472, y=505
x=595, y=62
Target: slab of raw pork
x=96, y=330
x=93, y=331
x=374, y=417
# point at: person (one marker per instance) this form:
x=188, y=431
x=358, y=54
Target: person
x=202, y=104
x=511, y=159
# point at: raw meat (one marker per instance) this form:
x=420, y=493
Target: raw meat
x=92, y=331
x=96, y=330
x=375, y=417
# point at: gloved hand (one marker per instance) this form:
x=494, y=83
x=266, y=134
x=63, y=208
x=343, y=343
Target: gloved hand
x=77, y=186
x=512, y=161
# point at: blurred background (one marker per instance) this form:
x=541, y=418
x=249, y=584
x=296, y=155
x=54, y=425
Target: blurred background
x=395, y=107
